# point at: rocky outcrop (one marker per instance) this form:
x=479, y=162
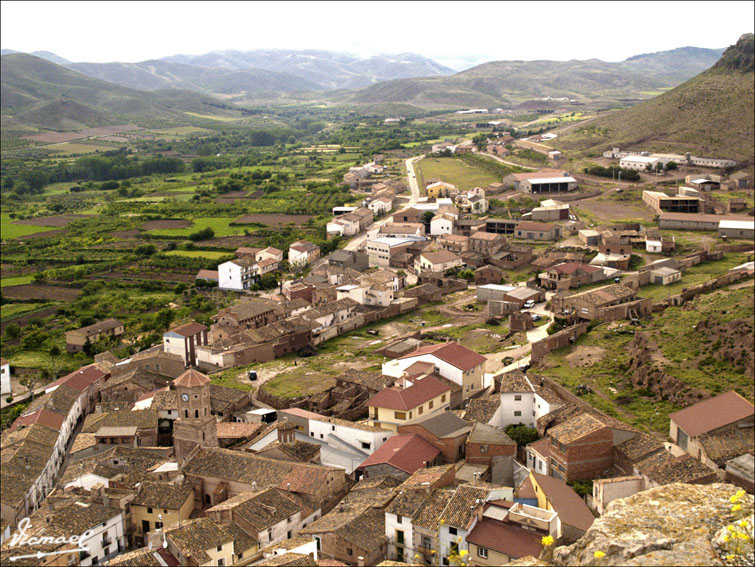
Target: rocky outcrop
x=646, y=373
x=677, y=524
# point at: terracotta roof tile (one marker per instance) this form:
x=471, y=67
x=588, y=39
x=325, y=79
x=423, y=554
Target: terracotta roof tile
x=712, y=413
x=505, y=537
x=570, y=507
x=404, y=452
x=191, y=378
x=419, y=393
x=459, y=356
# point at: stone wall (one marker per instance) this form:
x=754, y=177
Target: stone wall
x=555, y=341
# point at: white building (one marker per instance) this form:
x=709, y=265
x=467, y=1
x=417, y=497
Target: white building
x=238, y=274
x=380, y=250
x=302, y=253
x=638, y=163
x=343, y=444
x=653, y=246
x=104, y=540
x=442, y=224
x=521, y=402
x=380, y=205
x=5, y=387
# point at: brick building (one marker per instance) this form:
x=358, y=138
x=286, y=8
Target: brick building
x=581, y=448
x=445, y=431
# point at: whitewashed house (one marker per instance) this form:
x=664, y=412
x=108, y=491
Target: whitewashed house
x=238, y=275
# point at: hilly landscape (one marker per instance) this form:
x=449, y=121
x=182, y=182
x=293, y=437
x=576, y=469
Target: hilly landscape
x=509, y=82
x=42, y=94
x=709, y=115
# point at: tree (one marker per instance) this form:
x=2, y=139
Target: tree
x=522, y=434
x=88, y=347
x=53, y=352
x=671, y=165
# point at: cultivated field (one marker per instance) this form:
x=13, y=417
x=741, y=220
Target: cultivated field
x=454, y=171
x=272, y=219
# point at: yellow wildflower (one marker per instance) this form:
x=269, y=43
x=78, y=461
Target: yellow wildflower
x=729, y=528
x=599, y=555
x=463, y=552
x=736, y=508
x=726, y=538
x=547, y=540
x=442, y=521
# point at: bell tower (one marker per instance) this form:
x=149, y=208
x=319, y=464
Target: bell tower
x=195, y=424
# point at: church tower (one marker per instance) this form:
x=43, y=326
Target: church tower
x=195, y=424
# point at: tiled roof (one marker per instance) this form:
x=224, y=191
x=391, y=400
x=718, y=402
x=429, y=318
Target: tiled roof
x=191, y=378
x=370, y=380
x=195, y=537
x=99, y=327
x=422, y=478
x=250, y=308
x=292, y=543
x=482, y=409
x=429, y=515
x=712, y=413
x=440, y=257
x=455, y=354
x=266, y=509
x=237, y=430
x=505, y=537
x=541, y=447
x=663, y=468
x=366, y=531
x=571, y=267
x=142, y=557
x=526, y=490
x=41, y=417
x=83, y=441
x=409, y=398
x=289, y=560
x=538, y=226
x=163, y=495
x=80, y=379
x=60, y=400
x=404, y=452
x=724, y=444
x=298, y=450
x=408, y=503
x=137, y=375
x=142, y=419
x=165, y=400
x=604, y=295
x=333, y=420
x=570, y=507
x=640, y=446
x=484, y=433
x=247, y=468
x=514, y=382
x=188, y=329
x=460, y=509
x=445, y=424
x=576, y=428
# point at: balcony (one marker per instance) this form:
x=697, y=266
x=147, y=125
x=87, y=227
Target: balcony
x=424, y=550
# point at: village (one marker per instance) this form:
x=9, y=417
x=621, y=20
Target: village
x=427, y=451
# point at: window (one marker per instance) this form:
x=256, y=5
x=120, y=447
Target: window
x=269, y=534
x=430, y=404
x=399, y=537
x=420, y=410
x=443, y=398
x=483, y=448
x=399, y=414
x=482, y=552
x=149, y=510
x=158, y=525
x=452, y=531
x=517, y=398
x=562, y=447
x=220, y=548
x=554, y=442
x=399, y=518
x=365, y=445
x=221, y=561
x=517, y=413
x=349, y=551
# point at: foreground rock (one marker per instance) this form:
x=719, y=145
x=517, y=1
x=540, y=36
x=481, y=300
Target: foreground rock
x=670, y=525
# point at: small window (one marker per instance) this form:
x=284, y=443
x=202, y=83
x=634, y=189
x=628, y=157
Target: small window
x=149, y=510
x=482, y=552
x=421, y=410
x=399, y=415
x=443, y=398
x=220, y=548
x=452, y=531
x=430, y=404
x=517, y=398
x=398, y=518
x=483, y=448
x=562, y=447
x=349, y=551
x=365, y=445
x=517, y=413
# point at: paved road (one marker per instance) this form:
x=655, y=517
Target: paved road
x=357, y=241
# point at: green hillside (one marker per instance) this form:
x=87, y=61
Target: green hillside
x=709, y=115
x=40, y=93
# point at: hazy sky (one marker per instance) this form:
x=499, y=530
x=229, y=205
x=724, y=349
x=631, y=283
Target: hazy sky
x=449, y=32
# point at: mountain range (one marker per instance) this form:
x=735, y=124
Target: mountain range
x=710, y=115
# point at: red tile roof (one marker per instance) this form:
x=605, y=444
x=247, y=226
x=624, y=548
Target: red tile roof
x=505, y=537
x=404, y=452
x=191, y=378
x=207, y=275
x=409, y=398
x=571, y=267
x=565, y=502
x=453, y=353
x=539, y=226
x=526, y=490
x=40, y=417
x=80, y=379
x=168, y=557
x=712, y=413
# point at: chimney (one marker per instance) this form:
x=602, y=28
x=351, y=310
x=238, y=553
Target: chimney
x=479, y=507
x=254, y=486
x=360, y=561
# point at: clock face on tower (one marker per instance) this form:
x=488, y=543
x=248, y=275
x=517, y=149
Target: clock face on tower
x=185, y=397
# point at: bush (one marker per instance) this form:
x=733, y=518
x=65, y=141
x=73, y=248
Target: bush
x=522, y=434
x=204, y=234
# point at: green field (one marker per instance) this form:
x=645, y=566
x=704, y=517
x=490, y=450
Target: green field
x=10, y=230
x=14, y=309
x=18, y=280
x=221, y=226
x=454, y=171
x=198, y=254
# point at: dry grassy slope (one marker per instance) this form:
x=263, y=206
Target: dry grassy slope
x=709, y=115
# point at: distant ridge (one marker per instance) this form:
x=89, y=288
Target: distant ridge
x=710, y=115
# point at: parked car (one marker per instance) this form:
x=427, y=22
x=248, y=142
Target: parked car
x=536, y=317
x=252, y=374
x=529, y=304
x=373, y=332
